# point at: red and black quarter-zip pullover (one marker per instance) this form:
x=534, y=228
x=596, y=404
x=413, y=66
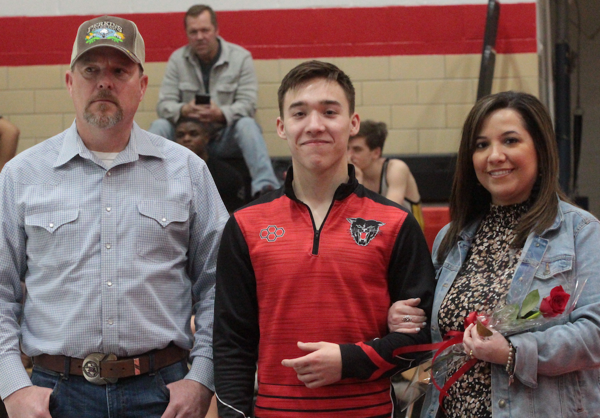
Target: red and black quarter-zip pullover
x=280, y=281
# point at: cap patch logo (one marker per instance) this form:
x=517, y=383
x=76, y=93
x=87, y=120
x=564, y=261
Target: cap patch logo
x=271, y=233
x=104, y=30
x=363, y=231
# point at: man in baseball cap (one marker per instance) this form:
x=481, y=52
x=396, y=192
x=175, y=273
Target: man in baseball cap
x=114, y=231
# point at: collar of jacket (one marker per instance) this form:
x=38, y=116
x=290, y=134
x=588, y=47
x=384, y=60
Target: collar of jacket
x=343, y=191
x=469, y=231
x=223, y=57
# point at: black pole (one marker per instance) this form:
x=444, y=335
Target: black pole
x=577, y=131
x=562, y=97
x=488, y=55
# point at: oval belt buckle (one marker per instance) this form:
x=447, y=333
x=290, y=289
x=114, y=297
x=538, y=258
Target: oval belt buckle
x=91, y=368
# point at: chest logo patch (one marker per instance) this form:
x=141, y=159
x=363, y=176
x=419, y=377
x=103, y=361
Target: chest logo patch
x=271, y=233
x=363, y=231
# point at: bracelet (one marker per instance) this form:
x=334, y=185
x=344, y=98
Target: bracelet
x=510, y=363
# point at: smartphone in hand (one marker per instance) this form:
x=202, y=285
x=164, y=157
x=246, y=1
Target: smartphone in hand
x=202, y=99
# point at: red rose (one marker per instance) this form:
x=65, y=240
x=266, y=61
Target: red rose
x=554, y=304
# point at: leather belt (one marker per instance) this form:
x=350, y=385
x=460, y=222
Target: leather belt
x=101, y=368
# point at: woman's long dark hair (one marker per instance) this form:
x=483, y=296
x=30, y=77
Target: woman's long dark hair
x=469, y=201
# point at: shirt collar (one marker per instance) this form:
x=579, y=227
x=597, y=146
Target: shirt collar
x=220, y=58
x=559, y=218
x=139, y=144
x=343, y=191
x=215, y=59
x=468, y=233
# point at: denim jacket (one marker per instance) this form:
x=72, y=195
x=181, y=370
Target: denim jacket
x=557, y=364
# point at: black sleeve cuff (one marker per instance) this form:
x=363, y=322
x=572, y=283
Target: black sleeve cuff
x=355, y=362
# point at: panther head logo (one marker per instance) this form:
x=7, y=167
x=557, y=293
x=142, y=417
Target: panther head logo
x=363, y=231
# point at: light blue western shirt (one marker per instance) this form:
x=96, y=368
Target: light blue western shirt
x=115, y=260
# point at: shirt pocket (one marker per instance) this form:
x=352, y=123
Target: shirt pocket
x=554, y=267
x=554, y=271
x=53, y=238
x=188, y=91
x=226, y=93
x=163, y=231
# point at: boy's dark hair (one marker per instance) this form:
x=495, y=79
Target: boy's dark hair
x=206, y=127
x=310, y=70
x=374, y=133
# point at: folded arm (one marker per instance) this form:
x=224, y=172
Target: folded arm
x=411, y=275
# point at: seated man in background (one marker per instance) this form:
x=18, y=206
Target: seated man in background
x=195, y=135
x=389, y=177
x=222, y=75
x=9, y=136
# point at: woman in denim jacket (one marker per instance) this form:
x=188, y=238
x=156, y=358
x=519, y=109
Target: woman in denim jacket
x=513, y=232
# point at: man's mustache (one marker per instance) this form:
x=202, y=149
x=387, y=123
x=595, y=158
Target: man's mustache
x=105, y=95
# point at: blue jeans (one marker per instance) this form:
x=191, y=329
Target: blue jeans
x=144, y=396
x=241, y=139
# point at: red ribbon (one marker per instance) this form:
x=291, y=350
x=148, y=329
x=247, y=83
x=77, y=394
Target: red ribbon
x=451, y=338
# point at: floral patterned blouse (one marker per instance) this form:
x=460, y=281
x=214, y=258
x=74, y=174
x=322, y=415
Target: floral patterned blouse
x=483, y=281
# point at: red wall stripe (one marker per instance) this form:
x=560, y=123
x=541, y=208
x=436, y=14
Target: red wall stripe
x=302, y=33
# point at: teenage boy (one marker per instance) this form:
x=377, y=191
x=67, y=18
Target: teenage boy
x=320, y=259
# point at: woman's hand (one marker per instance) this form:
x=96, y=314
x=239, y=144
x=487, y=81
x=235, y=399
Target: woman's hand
x=492, y=349
x=405, y=317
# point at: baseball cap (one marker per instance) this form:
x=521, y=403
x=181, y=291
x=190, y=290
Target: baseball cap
x=115, y=32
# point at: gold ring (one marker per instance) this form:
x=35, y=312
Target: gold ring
x=471, y=353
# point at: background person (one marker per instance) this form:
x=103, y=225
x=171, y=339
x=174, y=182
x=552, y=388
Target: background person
x=320, y=259
x=512, y=232
x=195, y=135
x=389, y=177
x=9, y=138
x=210, y=65
x=114, y=231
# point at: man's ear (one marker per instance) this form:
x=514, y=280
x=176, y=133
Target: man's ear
x=143, y=86
x=281, y=128
x=354, y=124
x=69, y=81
